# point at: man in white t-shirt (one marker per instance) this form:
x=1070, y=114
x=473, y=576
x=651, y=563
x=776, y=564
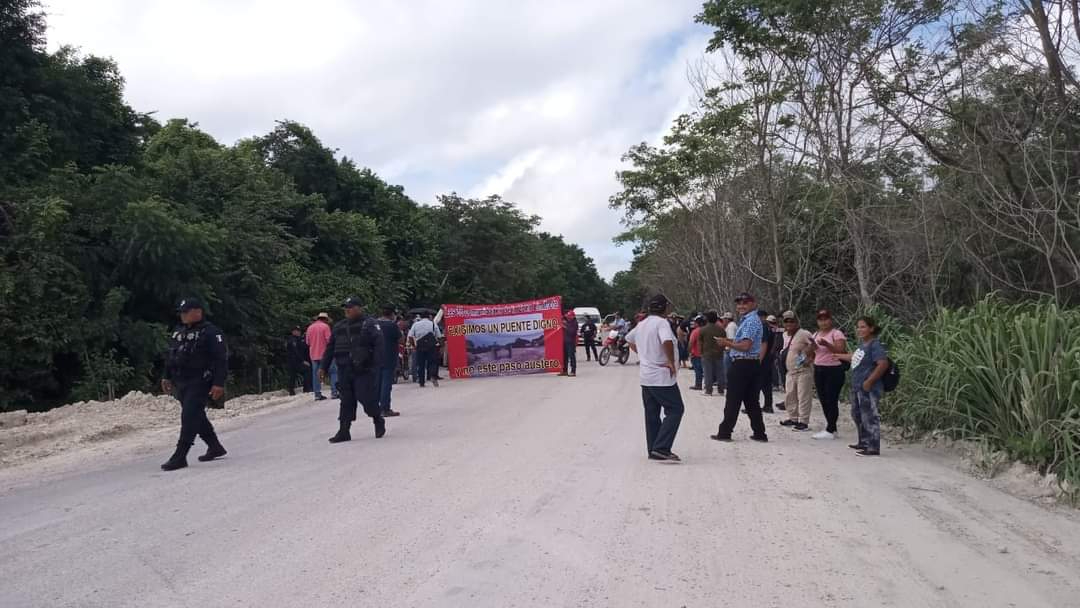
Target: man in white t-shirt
x=654, y=343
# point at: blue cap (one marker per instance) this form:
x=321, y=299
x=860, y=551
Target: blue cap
x=349, y=303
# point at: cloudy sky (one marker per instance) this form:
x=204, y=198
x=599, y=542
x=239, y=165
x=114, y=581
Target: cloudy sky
x=532, y=100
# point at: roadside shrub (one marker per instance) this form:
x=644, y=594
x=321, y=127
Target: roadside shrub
x=1005, y=373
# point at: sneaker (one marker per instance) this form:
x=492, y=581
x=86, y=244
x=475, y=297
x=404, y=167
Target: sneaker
x=725, y=439
x=390, y=414
x=435, y=383
x=857, y=446
x=868, y=452
x=573, y=374
x=788, y=422
x=320, y=397
x=668, y=456
x=563, y=374
x=695, y=388
x=824, y=435
x=759, y=438
x=708, y=393
x=802, y=428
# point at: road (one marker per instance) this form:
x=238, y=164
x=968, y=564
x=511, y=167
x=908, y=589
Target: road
x=530, y=491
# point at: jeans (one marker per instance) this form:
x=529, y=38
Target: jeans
x=743, y=391
x=829, y=381
x=864, y=411
x=699, y=371
x=569, y=356
x=590, y=350
x=660, y=434
x=713, y=370
x=427, y=363
x=317, y=385
x=385, y=376
x=360, y=387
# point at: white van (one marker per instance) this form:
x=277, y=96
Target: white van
x=583, y=314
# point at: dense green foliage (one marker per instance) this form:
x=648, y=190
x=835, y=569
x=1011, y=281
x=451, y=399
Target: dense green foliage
x=1006, y=374
x=107, y=218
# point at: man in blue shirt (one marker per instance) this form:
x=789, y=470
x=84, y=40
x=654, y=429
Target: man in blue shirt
x=743, y=382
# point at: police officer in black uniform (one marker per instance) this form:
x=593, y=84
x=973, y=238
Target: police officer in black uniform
x=195, y=373
x=355, y=342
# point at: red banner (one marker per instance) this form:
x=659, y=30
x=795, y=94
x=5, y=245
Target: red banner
x=504, y=339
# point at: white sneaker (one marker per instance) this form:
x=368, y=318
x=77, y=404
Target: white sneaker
x=824, y=435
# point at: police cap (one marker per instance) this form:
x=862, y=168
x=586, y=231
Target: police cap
x=188, y=304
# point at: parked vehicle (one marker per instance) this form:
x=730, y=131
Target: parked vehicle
x=583, y=314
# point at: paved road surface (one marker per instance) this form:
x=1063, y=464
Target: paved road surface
x=530, y=492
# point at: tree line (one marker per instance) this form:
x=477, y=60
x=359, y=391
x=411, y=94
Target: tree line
x=108, y=217
x=908, y=154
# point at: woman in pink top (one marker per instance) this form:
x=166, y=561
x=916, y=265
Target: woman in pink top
x=828, y=371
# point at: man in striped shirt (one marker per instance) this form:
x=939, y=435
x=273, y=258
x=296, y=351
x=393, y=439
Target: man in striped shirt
x=743, y=382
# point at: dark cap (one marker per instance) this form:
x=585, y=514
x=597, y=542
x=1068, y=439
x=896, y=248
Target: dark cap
x=658, y=303
x=745, y=296
x=349, y=303
x=189, y=304
x=824, y=314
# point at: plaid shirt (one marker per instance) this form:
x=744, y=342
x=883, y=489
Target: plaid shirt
x=749, y=329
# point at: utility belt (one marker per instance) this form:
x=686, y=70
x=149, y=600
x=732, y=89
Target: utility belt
x=183, y=377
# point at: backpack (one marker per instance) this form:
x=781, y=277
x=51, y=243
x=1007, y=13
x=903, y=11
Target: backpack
x=891, y=379
x=427, y=343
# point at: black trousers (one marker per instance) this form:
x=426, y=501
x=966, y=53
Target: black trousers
x=590, y=350
x=569, y=356
x=660, y=434
x=829, y=381
x=358, y=387
x=427, y=365
x=294, y=375
x=744, y=376
x=766, y=381
x=193, y=398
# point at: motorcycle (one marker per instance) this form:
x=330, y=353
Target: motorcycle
x=615, y=344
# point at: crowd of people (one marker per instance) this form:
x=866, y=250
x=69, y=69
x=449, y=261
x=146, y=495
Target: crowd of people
x=742, y=358
x=359, y=356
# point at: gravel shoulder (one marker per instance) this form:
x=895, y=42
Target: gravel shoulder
x=529, y=491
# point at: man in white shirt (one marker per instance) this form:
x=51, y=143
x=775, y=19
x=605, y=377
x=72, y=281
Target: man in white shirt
x=654, y=343
x=424, y=337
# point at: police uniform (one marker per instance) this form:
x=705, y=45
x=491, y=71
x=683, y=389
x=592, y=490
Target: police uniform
x=197, y=361
x=354, y=345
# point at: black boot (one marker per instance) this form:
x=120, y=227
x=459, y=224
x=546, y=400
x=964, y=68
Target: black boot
x=178, y=460
x=380, y=427
x=342, y=434
x=214, y=449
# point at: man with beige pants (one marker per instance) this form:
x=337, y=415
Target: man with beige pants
x=799, y=360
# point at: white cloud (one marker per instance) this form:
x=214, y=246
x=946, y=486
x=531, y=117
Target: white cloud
x=532, y=100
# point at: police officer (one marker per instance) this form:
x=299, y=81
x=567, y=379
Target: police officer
x=195, y=373
x=354, y=345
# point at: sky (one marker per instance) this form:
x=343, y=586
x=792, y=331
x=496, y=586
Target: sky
x=535, y=101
